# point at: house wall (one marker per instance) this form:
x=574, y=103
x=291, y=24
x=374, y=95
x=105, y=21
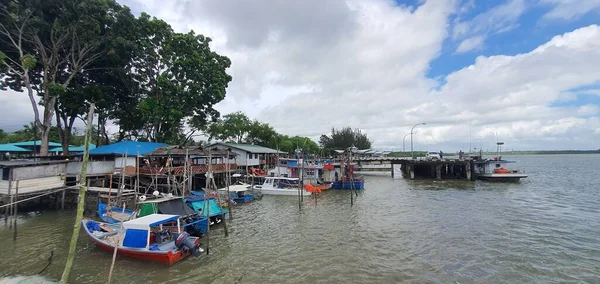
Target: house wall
x=33, y=185
x=93, y=167
x=33, y=172
x=121, y=162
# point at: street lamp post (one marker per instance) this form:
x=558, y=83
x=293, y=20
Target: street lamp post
x=403, y=139
x=411, y=139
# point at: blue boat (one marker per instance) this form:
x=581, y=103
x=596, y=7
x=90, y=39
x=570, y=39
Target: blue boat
x=193, y=223
x=238, y=193
x=115, y=215
x=358, y=184
x=197, y=202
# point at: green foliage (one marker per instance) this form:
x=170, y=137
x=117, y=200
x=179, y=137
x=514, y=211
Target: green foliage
x=178, y=78
x=2, y=57
x=342, y=139
x=233, y=127
x=238, y=128
x=28, y=61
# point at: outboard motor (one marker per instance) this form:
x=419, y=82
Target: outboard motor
x=186, y=242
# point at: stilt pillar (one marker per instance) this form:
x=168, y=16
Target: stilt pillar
x=468, y=170
x=438, y=172
x=412, y=171
x=62, y=200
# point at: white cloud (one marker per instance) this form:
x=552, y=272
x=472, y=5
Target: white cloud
x=16, y=110
x=307, y=66
x=469, y=44
x=570, y=9
x=500, y=18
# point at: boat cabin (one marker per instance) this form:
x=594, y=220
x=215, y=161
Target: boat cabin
x=139, y=230
x=280, y=182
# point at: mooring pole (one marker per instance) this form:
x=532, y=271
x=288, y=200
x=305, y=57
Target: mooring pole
x=10, y=204
x=227, y=182
x=81, y=199
x=15, y=212
x=114, y=256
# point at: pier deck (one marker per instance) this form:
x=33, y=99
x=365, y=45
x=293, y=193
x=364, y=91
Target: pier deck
x=420, y=168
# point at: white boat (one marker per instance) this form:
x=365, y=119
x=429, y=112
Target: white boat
x=280, y=186
x=493, y=170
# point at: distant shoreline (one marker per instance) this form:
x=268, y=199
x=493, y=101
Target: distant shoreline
x=505, y=153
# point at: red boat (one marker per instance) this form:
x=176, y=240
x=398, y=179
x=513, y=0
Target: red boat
x=144, y=238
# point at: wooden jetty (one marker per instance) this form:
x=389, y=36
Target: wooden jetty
x=420, y=168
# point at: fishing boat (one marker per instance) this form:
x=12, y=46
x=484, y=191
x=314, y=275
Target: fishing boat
x=192, y=222
x=238, y=193
x=325, y=186
x=114, y=215
x=358, y=183
x=495, y=170
x=145, y=238
x=197, y=201
x=280, y=186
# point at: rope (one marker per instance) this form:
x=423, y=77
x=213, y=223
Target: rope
x=44, y=194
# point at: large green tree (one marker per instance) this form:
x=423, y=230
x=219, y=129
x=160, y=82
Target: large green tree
x=234, y=127
x=238, y=128
x=180, y=79
x=344, y=138
x=47, y=43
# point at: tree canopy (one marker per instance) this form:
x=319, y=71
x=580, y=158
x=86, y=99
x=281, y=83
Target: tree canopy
x=238, y=128
x=148, y=79
x=344, y=138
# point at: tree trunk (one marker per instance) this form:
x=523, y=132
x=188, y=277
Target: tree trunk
x=34, y=105
x=47, y=124
x=61, y=135
x=81, y=199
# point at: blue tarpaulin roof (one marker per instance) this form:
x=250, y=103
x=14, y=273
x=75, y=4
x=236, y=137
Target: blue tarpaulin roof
x=72, y=149
x=131, y=148
x=12, y=148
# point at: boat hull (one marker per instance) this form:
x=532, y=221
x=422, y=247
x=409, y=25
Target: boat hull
x=348, y=185
x=501, y=177
x=282, y=191
x=166, y=257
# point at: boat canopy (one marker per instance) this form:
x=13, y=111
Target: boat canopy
x=198, y=204
x=175, y=206
x=235, y=188
x=494, y=162
x=146, y=222
x=282, y=178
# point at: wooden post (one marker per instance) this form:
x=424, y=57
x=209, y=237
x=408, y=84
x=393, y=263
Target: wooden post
x=468, y=170
x=62, y=200
x=393, y=173
x=411, y=169
x=114, y=257
x=227, y=182
x=15, y=212
x=438, y=171
x=9, y=208
x=6, y=202
x=81, y=199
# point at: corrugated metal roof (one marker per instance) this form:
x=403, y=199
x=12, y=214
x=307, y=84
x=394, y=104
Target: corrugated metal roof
x=248, y=148
x=182, y=151
x=26, y=163
x=36, y=143
x=12, y=148
x=130, y=148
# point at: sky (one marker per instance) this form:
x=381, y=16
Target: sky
x=524, y=72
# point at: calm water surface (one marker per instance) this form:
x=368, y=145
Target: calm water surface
x=545, y=229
